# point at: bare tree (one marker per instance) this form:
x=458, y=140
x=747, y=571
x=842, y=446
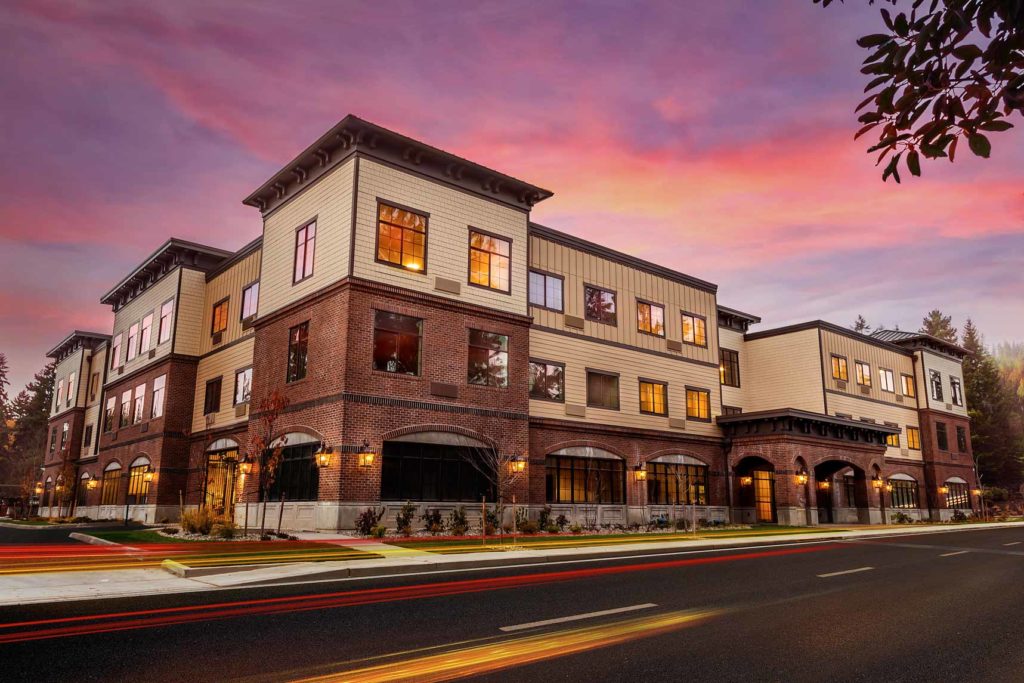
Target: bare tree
x=503, y=471
x=259, y=449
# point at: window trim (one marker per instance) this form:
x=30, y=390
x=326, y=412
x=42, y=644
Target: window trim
x=956, y=391
x=426, y=235
x=142, y=332
x=615, y=303
x=646, y=302
x=469, y=258
x=916, y=431
x=903, y=386
x=241, y=308
x=618, y=388
x=881, y=386
x=170, y=322
x=131, y=344
x=940, y=428
x=865, y=375
x=640, y=381
x=721, y=353
x=844, y=366
x=682, y=333
x=295, y=250
x=932, y=386
x=470, y=345
x=219, y=381
x=961, y=443
x=213, y=315
x=288, y=351
x=234, y=394
x=545, y=274
x=690, y=388
x=541, y=361
x=421, y=346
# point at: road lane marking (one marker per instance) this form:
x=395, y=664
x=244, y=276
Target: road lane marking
x=846, y=571
x=576, y=617
x=1014, y=543
x=958, y=552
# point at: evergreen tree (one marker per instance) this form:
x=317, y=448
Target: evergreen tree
x=861, y=325
x=939, y=325
x=31, y=411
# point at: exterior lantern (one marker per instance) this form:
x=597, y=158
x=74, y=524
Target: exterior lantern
x=366, y=455
x=801, y=477
x=245, y=466
x=824, y=484
x=149, y=476
x=640, y=472
x=943, y=489
x=877, y=482
x=39, y=487
x=746, y=481
x=92, y=483
x=323, y=456
x=517, y=465
x=976, y=492
x=888, y=487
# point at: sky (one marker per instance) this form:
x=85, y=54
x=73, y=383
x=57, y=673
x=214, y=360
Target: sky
x=712, y=138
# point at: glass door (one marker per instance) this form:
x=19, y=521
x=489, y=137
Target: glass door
x=764, y=495
x=220, y=481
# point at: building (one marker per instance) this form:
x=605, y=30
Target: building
x=417, y=327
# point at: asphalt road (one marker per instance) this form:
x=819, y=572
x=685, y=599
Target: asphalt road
x=31, y=534
x=933, y=607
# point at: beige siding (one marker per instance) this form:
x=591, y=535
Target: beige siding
x=148, y=302
x=451, y=213
x=329, y=201
x=733, y=340
x=228, y=284
x=189, y=333
x=221, y=364
x=92, y=417
x=876, y=356
x=64, y=370
x=95, y=363
x=948, y=367
x=881, y=413
x=784, y=371
x=580, y=354
x=581, y=268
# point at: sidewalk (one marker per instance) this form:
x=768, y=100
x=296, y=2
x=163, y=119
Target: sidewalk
x=64, y=586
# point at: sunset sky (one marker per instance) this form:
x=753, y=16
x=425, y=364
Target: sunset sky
x=715, y=138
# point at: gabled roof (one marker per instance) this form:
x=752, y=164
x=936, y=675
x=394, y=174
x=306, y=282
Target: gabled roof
x=919, y=340
x=832, y=327
x=171, y=254
x=76, y=338
x=352, y=135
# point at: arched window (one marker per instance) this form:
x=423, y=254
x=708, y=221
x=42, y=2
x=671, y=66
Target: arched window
x=297, y=476
x=585, y=474
x=677, y=480
x=440, y=466
x=959, y=496
x=111, y=484
x=82, y=495
x=904, y=491
x=138, y=487
x=47, y=488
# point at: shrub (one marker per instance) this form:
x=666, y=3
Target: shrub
x=266, y=537
x=996, y=494
x=489, y=529
x=551, y=528
x=544, y=519
x=901, y=518
x=403, y=521
x=681, y=524
x=493, y=517
x=529, y=527
x=959, y=516
x=199, y=521
x=83, y=518
x=522, y=516
x=432, y=521
x=171, y=531
x=379, y=531
x=562, y=521
x=367, y=520
x=576, y=529
x=457, y=524
x=225, y=528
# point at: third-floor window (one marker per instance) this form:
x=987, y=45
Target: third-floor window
x=146, y=336
x=935, y=384
x=599, y=304
x=863, y=373
x=956, y=390
x=166, y=311
x=694, y=329
x=401, y=237
x=839, y=369
x=305, y=248
x=546, y=290
x=653, y=397
x=886, y=380
x=908, y=385
x=115, y=351
x=489, y=261
x=650, y=318
x=250, y=297
x=219, y=319
x=133, y=341
x=729, y=367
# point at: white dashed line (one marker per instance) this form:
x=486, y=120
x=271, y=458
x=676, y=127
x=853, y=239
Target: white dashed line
x=577, y=617
x=1014, y=543
x=847, y=571
x=959, y=552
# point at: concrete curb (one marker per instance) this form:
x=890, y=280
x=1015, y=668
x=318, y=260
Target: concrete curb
x=92, y=540
x=185, y=572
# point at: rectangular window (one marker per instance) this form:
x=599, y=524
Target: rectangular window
x=126, y=409
x=961, y=439
x=941, y=437
x=956, y=390
x=111, y=486
x=59, y=398
x=115, y=352
x=653, y=397
x=650, y=318
x=219, y=318
x=71, y=391
x=863, y=371
x=914, y=438
x=305, y=247
x=94, y=386
x=133, y=341
x=396, y=343
x=140, y=400
x=159, y=384
x=250, y=298
x=935, y=382
x=547, y=381
x=602, y=390
x=909, y=387
x=839, y=370
x=166, y=313
x=677, y=484
x=695, y=329
x=489, y=261
x=599, y=305
x=729, y=367
x=585, y=480
x=211, y=402
x=892, y=439
x=298, y=352
x=546, y=290
x=87, y=437
x=401, y=237
x=243, y=386
x=698, y=404
x=53, y=439
x=488, y=359
x=65, y=428
x=886, y=380
x=146, y=337
x=108, y=414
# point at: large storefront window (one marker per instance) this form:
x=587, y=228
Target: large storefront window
x=297, y=475
x=904, y=493
x=138, y=487
x=433, y=472
x=958, y=496
x=677, y=484
x=585, y=480
x=111, y=485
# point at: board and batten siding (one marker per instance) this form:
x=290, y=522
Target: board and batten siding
x=133, y=312
x=904, y=416
x=64, y=369
x=221, y=364
x=92, y=417
x=189, y=332
x=579, y=354
x=229, y=285
x=733, y=340
x=581, y=268
x=947, y=367
x=876, y=356
x=328, y=200
x=784, y=371
x=451, y=214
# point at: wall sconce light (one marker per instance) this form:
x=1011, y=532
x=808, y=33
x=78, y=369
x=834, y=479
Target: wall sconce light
x=323, y=456
x=876, y=481
x=149, y=476
x=366, y=455
x=888, y=487
x=640, y=472
x=824, y=485
x=746, y=481
x=245, y=466
x=976, y=492
x=517, y=465
x=943, y=489
x=39, y=488
x=801, y=477
x=92, y=483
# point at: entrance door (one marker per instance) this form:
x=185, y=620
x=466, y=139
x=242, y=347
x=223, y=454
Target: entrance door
x=220, y=482
x=764, y=495
x=825, y=504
